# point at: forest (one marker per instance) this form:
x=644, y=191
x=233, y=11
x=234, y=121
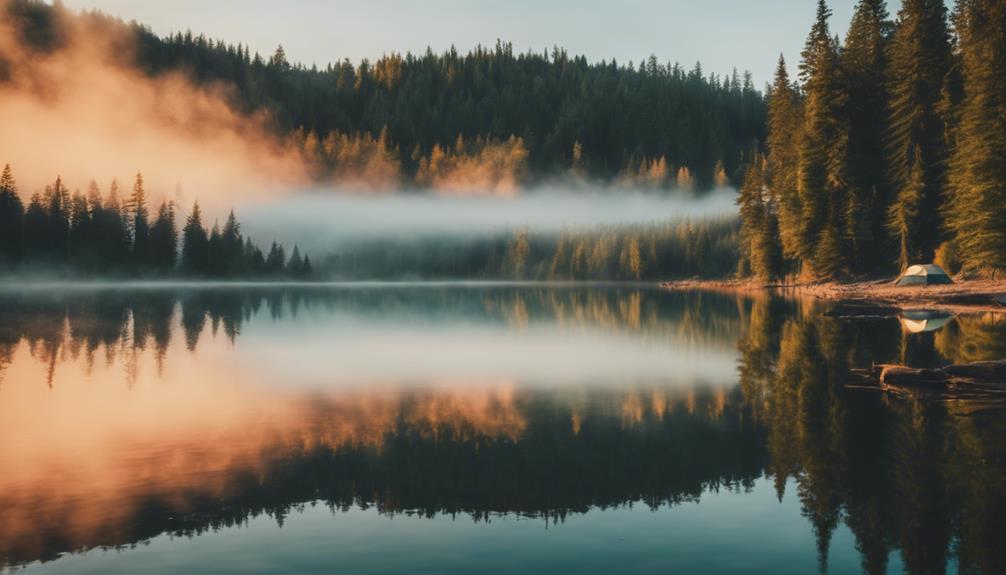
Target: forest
x=645, y=252
x=96, y=234
x=889, y=150
x=434, y=119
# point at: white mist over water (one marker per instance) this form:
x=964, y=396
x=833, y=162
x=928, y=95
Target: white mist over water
x=319, y=220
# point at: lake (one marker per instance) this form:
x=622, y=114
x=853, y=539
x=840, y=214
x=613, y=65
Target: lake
x=459, y=428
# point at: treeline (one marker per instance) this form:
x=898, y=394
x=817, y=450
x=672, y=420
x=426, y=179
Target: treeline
x=605, y=119
x=889, y=151
x=673, y=249
x=96, y=234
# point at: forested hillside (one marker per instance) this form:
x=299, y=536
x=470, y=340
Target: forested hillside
x=486, y=117
x=890, y=150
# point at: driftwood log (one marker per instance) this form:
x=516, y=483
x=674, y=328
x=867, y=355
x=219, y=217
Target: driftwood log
x=983, y=381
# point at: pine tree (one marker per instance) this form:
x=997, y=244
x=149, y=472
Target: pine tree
x=57, y=233
x=295, y=267
x=140, y=222
x=916, y=144
x=164, y=240
x=276, y=259
x=864, y=67
x=11, y=216
x=216, y=265
x=821, y=165
x=35, y=226
x=116, y=227
x=783, y=140
x=760, y=244
x=80, y=238
x=195, y=244
x=903, y=215
x=231, y=248
x=977, y=206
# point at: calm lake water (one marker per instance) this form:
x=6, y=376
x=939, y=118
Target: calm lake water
x=481, y=428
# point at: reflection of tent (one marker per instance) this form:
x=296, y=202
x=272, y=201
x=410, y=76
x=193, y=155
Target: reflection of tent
x=928, y=274
x=918, y=321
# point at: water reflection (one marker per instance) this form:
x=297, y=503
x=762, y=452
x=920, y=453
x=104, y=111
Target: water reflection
x=923, y=478
x=182, y=411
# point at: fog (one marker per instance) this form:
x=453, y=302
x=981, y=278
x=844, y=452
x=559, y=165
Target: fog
x=82, y=111
x=319, y=220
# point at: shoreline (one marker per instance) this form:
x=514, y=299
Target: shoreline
x=962, y=297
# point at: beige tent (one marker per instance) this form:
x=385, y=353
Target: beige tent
x=924, y=275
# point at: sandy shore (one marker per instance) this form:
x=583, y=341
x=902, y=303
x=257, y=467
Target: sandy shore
x=966, y=296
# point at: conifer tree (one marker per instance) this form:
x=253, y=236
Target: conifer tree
x=36, y=224
x=916, y=144
x=821, y=174
x=231, y=246
x=216, y=265
x=295, y=266
x=140, y=222
x=57, y=234
x=80, y=237
x=783, y=140
x=903, y=215
x=164, y=240
x=116, y=227
x=760, y=244
x=276, y=259
x=977, y=206
x=195, y=244
x=864, y=69
x=11, y=216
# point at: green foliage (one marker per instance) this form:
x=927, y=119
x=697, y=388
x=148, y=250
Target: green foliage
x=916, y=143
x=976, y=212
x=783, y=140
x=864, y=67
x=858, y=153
x=760, y=244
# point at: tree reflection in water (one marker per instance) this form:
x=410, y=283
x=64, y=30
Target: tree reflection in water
x=218, y=446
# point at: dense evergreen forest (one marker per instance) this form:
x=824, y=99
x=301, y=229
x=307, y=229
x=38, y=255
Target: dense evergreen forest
x=427, y=118
x=96, y=234
x=668, y=250
x=890, y=149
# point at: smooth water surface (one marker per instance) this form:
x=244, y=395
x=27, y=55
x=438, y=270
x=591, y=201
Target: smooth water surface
x=489, y=428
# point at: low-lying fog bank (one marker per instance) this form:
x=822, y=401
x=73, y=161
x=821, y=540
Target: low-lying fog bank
x=322, y=221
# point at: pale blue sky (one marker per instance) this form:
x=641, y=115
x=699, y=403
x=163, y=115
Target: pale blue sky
x=748, y=34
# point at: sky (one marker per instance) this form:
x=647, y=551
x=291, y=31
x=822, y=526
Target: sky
x=722, y=34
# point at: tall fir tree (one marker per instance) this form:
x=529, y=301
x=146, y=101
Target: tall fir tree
x=57, y=234
x=916, y=145
x=864, y=67
x=760, y=245
x=783, y=141
x=976, y=210
x=164, y=240
x=231, y=247
x=821, y=165
x=140, y=221
x=11, y=218
x=195, y=244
